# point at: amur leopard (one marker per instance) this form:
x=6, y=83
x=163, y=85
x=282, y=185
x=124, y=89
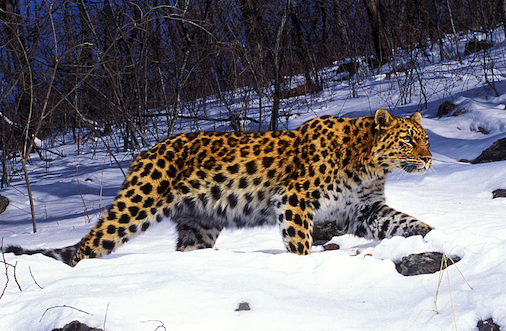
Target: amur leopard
x=330, y=168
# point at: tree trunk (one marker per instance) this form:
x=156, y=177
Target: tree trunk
x=343, y=29
x=381, y=47
x=278, y=47
x=30, y=197
x=187, y=40
x=303, y=53
x=251, y=16
x=503, y=15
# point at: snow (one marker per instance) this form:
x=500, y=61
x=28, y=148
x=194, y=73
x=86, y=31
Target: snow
x=146, y=284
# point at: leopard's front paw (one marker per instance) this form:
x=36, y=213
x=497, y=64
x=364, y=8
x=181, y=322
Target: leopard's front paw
x=417, y=228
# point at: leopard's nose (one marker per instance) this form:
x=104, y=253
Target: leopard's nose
x=426, y=159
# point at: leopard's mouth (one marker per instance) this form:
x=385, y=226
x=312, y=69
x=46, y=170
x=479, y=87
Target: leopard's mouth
x=419, y=167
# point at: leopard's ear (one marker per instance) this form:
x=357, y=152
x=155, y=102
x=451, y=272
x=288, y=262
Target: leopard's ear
x=383, y=119
x=417, y=118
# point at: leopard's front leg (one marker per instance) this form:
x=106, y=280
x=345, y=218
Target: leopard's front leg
x=296, y=221
x=378, y=221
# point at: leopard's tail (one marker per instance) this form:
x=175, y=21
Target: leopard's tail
x=65, y=254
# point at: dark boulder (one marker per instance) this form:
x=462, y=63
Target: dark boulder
x=324, y=231
x=243, y=306
x=4, y=202
x=423, y=263
x=496, y=152
x=77, y=326
x=445, y=108
x=499, y=193
x=487, y=325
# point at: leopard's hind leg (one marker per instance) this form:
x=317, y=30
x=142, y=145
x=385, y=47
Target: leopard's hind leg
x=193, y=235
x=118, y=225
x=146, y=197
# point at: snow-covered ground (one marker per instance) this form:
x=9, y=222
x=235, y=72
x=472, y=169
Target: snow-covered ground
x=147, y=285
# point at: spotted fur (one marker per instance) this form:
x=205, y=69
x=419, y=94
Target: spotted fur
x=330, y=168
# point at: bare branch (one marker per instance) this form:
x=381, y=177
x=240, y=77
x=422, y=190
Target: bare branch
x=64, y=306
x=31, y=274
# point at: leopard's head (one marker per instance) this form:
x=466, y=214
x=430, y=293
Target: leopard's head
x=401, y=143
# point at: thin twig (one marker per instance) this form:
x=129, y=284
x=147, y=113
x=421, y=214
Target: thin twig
x=454, y=263
x=5, y=287
x=81, y=194
x=113, y=156
x=445, y=261
x=420, y=313
x=105, y=317
x=16, y=278
x=162, y=326
x=444, y=265
x=34, y=278
x=7, y=265
x=47, y=150
x=6, y=270
x=64, y=306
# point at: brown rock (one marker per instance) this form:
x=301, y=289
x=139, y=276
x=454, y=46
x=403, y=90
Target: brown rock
x=4, y=202
x=445, y=108
x=331, y=247
x=243, y=306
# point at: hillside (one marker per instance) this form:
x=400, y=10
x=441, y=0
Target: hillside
x=147, y=285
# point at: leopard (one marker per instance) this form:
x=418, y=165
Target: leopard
x=330, y=168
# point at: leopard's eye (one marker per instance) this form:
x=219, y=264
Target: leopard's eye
x=407, y=139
